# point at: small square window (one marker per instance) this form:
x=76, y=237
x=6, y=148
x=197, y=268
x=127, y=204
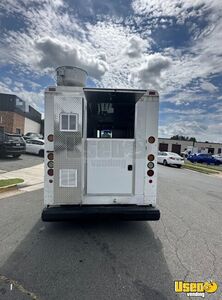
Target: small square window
x=68, y=122
x=68, y=177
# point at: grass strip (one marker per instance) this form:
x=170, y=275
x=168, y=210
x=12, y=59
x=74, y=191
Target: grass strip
x=216, y=168
x=10, y=181
x=201, y=169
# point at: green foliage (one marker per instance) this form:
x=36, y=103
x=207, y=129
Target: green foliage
x=183, y=138
x=9, y=182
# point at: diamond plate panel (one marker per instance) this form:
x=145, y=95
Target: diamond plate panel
x=68, y=150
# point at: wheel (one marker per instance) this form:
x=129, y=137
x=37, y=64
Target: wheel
x=179, y=166
x=16, y=155
x=41, y=153
x=165, y=162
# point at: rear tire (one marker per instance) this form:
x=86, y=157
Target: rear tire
x=41, y=153
x=16, y=155
x=165, y=163
x=179, y=166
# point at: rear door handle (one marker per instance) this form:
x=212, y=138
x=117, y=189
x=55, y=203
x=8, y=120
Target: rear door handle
x=130, y=167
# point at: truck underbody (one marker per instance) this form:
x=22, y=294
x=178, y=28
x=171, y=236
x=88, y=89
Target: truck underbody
x=100, y=212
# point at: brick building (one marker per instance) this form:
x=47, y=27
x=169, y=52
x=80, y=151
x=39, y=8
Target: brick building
x=17, y=117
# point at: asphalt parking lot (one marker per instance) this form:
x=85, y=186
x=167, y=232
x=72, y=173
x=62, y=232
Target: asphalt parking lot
x=115, y=260
x=9, y=163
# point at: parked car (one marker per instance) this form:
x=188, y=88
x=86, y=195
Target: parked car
x=203, y=158
x=32, y=135
x=170, y=158
x=35, y=146
x=218, y=157
x=11, y=144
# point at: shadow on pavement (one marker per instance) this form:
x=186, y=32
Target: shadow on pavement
x=96, y=260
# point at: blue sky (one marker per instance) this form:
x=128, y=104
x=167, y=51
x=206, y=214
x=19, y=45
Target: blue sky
x=174, y=46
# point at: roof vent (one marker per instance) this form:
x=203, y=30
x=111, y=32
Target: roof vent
x=71, y=76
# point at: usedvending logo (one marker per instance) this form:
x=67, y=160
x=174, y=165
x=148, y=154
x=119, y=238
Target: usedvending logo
x=195, y=289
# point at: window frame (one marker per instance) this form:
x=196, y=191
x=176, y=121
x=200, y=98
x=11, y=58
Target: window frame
x=68, y=114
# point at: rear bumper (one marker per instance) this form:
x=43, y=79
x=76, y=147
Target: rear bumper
x=120, y=212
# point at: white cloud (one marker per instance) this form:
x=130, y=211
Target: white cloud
x=181, y=9
x=54, y=52
x=118, y=52
x=7, y=81
x=190, y=112
x=197, y=129
x=136, y=46
x=115, y=54
x=209, y=87
x=34, y=99
x=149, y=74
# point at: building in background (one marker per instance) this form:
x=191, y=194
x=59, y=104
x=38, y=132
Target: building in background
x=17, y=117
x=179, y=146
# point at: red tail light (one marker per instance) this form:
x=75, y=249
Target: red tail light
x=151, y=139
x=50, y=156
x=172, y=158
x=150, y=173
x=150, y=157
x=50, y=172
x=50, y=137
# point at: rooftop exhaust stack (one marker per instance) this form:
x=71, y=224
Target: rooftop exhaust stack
x=71, y=76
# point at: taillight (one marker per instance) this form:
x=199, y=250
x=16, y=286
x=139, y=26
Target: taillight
x=50, y=137
x=151, y=139
x=172, y=158
x=150, y=173
x=150, y=165
x=150, y=157
x=50, y=172
x=50, y=164
x=50, y=156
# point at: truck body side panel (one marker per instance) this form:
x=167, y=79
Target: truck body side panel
x=67, y=150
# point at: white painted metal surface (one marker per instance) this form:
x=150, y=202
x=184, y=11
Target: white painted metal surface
x=108, y=164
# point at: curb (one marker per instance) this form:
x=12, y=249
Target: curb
x=12, y=187
x=203, y=171
x=7, y=188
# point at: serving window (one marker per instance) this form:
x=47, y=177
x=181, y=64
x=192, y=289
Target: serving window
x=111, y=114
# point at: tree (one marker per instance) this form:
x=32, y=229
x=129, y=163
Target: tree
x=183, y=138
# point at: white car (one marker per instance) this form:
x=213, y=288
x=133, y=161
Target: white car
x=35, y=146
x=170, y=158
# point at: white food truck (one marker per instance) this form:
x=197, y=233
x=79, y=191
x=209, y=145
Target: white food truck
x=100, y=151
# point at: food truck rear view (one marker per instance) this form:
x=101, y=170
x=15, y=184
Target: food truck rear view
x=100, y=151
